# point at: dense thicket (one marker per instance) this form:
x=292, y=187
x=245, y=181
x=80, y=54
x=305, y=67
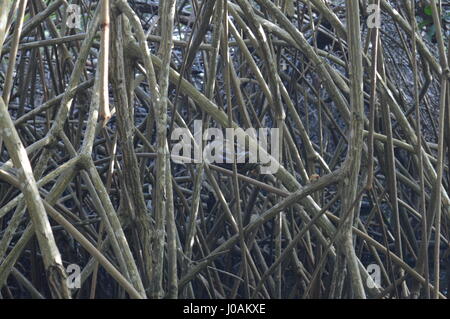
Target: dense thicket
x=92, y=91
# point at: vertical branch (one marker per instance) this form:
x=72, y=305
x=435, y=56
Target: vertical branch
x=172, y=235
x=373, y=101
x=172, y=238
x=438, y=185
x=353, y=161
x=422, y=261
x=105, y=113
x=5, y=6
x=441, y=147
x=163, y=196
x=231, y=147
x=14, y=48
x=132, y=182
